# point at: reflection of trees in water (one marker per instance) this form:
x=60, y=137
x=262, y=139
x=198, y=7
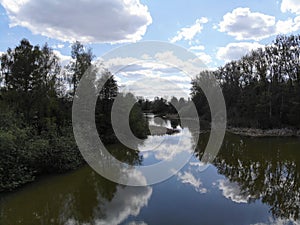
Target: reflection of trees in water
x=79, y=197
x=266, y=168
x=59, y=199
x=103, y=202
x=125, y=154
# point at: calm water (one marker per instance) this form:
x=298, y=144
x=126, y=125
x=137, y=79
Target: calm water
x=252, y=181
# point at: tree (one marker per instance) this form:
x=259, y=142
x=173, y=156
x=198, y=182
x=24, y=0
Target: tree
x=108, y=89
x=82, y=60
x=261, y=89
x=29, y=79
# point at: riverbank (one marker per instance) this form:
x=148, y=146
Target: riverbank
x=253, y=132
x=250, y=132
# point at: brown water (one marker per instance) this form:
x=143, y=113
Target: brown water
x=252, y=181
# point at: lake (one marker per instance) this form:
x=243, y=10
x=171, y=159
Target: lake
x=251, y=181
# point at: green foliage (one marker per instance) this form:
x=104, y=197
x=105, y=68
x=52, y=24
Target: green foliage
x=53, y=154
x=107, y=94
x=261, y=89
x=24, y=154
x=82, y=60
x=138, y=122
x=36, y=135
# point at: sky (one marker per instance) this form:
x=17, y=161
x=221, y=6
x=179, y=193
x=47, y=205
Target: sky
x=217, y=31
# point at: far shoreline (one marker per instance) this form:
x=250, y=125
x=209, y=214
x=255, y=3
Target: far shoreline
x=254, y=132
x=247, y=132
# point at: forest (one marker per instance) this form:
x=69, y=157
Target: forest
x=262, y=89
x=36, y=135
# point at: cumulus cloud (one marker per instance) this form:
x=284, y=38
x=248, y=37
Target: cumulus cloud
x=245, y=25
x=234, y=51
x=192, y=66
x=198, y=50
x=94, y=21
x=205, y=58
x=151, y=79
x=290, y=6
x=188, y=33
x=288, y=26
x=142, y=76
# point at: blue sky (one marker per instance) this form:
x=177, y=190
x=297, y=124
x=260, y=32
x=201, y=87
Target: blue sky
x=215, y=30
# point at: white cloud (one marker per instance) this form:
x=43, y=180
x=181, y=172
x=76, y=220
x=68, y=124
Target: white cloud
x=205, y=58
x=137, y=73
x=64, y=59
x=290, y=5
x=58, y=46
x=197, y=48
x=288, y=26
x=96, y=21
x=188, y=33
x=157, y=87
x=192, y=66
x=245, y=25
x=232, y=191
x=234, y=51
x=189, y=178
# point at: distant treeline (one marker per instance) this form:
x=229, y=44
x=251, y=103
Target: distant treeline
x=262, y=89
x=162, y=106
x=36, y=95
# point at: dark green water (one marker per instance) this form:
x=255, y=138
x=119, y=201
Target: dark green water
x=252, y=181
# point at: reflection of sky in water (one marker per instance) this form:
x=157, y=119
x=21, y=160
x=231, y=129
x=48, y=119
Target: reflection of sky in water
x=187, y=177
x=165, y=147
x=170, y=147
x=233, y=192
x=157, y=121
x=127, y=201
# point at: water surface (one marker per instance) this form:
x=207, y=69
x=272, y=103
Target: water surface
x=252, y=181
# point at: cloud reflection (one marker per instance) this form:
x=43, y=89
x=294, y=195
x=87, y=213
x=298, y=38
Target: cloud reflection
x=233, y=192
x=169, y=147
x=189, y=178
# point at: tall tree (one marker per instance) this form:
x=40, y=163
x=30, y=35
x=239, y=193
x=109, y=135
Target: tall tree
x=82, y=60
x=29, y=77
